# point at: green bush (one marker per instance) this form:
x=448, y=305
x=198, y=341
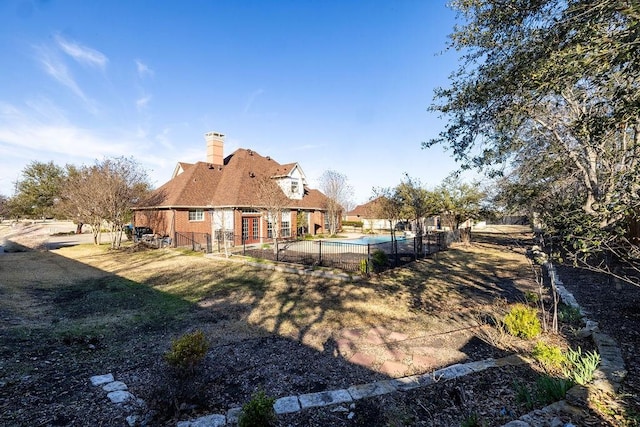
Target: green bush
x=187, y=351
x=549, y=356
x=379, y=260
x=569, y=314
x=258, y=412
x=352, y=223
x=522, y=321
x=581, y=367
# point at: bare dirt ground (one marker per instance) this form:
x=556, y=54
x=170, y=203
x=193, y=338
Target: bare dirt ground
x=82, y=310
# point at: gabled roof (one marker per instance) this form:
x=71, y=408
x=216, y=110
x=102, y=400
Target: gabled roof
x=233, y=184
x=366, y=210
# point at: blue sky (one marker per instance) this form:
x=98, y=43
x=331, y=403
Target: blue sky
x=340, y=85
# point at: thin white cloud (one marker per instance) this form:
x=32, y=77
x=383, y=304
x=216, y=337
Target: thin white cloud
x=143, y=69
x=56, y=68
x=252, y=98
x=82, y=54
x=41, y=131
x=141, y=103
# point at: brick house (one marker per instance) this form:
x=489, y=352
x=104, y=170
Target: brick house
x=220, y=196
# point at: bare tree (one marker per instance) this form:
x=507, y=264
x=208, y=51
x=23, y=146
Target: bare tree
x=78, y=199
x=339, y=194
x=104, y=194
x=273, y=202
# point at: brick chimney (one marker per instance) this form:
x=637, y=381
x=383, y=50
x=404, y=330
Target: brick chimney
x=215, y=148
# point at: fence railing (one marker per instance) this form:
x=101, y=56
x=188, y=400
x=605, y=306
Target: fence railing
x=195, y=241
x=358, y=255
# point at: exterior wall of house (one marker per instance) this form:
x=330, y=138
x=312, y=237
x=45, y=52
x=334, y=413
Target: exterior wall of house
x=293, y=191
x=182, y=223
x=166, y=222
x=157, y=220
x=316, y=223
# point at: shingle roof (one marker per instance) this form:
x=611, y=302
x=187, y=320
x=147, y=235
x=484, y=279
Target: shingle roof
x=366, y=210
x=233, y=184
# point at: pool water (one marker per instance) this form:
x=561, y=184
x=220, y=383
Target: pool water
x=366, y=240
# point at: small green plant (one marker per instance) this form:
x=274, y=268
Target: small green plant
x=581, y=367
x=522, y=321
x=551, y=389
x=547, y=390
x=265, y=246
x=187, y=351
x=472, y=420
x=379, y=260
x=364, y=267
x=524, y=395
x=569, y=314
x=532, y=297
x=549, y=356
x=258, y=412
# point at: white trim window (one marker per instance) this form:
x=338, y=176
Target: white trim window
x=196, y=214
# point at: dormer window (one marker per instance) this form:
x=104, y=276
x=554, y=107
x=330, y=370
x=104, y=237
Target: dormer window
x=294, y=186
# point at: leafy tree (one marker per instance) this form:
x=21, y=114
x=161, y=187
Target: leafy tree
x=339, y=193
x=417, y=204
x=4, y=207
x=388, y=205
x=548, y=88
x=38, y=190
x=458, y=202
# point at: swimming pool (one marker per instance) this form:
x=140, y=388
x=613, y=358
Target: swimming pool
x=364, y=240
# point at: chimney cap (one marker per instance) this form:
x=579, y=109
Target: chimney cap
x=214, y=134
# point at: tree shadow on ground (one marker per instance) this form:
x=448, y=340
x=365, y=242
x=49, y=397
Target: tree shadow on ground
x=269, y=330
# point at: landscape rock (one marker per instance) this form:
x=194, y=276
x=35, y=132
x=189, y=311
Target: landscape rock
x=114, y=386
x=372, y=389
x=324, y=398
x=119, y=396
x=286, y=405
x=233, y=415
x=101, y=379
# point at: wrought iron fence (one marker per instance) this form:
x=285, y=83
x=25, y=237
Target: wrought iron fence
x=358, y=255
x=195, y=241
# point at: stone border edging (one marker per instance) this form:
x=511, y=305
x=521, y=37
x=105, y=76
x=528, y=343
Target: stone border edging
x=292, y=404
x=607, y=377
x=611, y=371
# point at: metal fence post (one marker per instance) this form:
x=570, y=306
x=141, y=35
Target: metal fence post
x=319, y=252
